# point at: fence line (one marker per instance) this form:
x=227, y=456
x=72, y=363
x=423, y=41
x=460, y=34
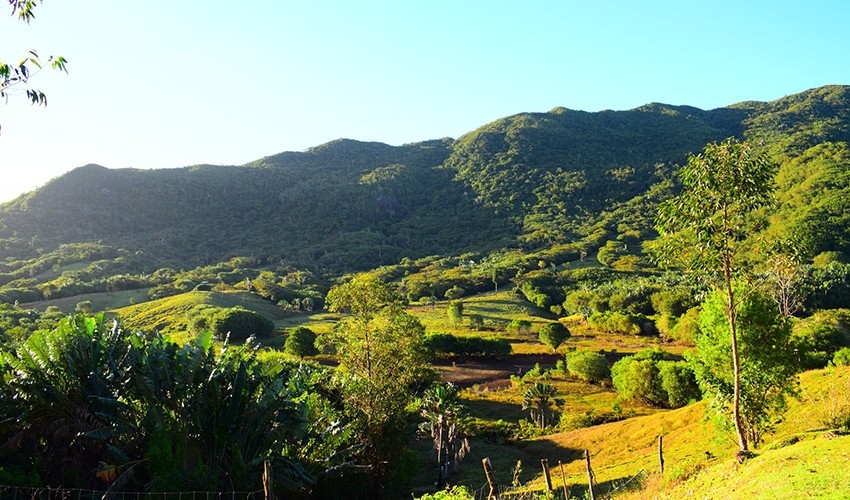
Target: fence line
x=29, y=493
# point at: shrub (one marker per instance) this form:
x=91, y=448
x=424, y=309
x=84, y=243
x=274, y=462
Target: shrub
x=476, y=321
x=455, y=311
x=452, y=493
x=617, y=322
x=589, y=366
x=570, y=421
x=239, y=324
x=445, y=345
x=671, y=302
x=553, y=334
x=454, y=293
x=665, y=325
x=842, y=357
x=301, y=342
x=678, y=382
x=519, y=326
x=636, y=378
x=687, y=328
x=84, y=306
x=818, y=337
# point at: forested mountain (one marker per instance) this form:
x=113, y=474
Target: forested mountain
x=529, y=181
x=530, y=234
x=339, y=206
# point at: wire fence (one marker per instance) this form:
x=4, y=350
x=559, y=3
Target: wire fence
x=25, y=493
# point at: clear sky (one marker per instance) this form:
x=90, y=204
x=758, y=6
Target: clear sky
x=184, y=82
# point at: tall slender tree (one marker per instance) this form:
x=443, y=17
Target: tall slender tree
x=706, y=226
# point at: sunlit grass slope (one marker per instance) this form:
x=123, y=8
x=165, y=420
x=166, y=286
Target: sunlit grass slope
x=804, y=457
x=171, y=314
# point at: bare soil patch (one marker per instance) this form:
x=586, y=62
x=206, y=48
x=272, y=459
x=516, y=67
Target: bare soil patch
x=491, y=373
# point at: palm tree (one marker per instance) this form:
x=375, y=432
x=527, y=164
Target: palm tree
x=444, y=416
x=539, y=399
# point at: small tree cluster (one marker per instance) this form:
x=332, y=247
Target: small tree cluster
x=301, y=342
x=652, y=378
x=589, y=366
x=445, y=345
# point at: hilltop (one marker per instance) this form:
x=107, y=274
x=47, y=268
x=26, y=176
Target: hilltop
x=530, y=180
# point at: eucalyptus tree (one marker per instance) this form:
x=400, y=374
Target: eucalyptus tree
x=705, y=229
x=15, y=77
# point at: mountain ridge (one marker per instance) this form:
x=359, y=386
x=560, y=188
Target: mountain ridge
x=528, y=180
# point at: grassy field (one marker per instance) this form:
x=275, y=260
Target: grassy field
x=170, y=314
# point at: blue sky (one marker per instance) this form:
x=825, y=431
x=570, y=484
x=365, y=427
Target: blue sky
x=171, y=84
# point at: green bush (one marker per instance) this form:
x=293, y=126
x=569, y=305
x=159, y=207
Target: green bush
x=553, y=334
x=454, y=293
x=842, y=357
x=519, y=326
x=617, y=322
x=671, y=302
x=818, y=337
x=446, y=345
x=589, y=366
x=452, y=493
x=301, y=342
x=455, y=311
x=650, y=377
x=636, y=377
x=678, y=382
x=476, y=321
x=686, y=329
x=239, y=324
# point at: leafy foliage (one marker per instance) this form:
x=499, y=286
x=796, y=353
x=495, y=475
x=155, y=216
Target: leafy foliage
x=540, y=399
x=301, y=342
x=768, y=365
x=382, y=356
x=445, y=423
x=554, y=334
x=589, y=366
x=652, y=378
x=133, y=410
x=446, y=345
x=14, y=78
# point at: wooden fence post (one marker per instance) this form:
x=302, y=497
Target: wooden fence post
x=545, y=463
x=661, y=453
x=491, y=480
x=589, y=474
x=268, y=480
x=564, y=481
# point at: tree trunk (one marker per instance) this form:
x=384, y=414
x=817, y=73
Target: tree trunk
x=736, y=362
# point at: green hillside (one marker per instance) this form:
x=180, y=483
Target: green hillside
x=803, y=458
x=533, y=180
x=344, y=205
